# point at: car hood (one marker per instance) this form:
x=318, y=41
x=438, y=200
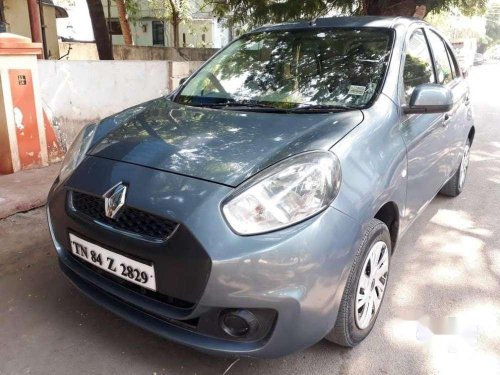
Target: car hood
x=223, y=146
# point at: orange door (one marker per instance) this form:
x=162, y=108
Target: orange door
x=23, y=98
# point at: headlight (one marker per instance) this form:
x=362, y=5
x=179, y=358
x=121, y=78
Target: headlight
x=284, y=194
x=77, y=151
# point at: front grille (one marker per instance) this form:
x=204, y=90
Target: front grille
x=129, y=220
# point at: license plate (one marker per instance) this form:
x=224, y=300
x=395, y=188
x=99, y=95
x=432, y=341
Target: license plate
x=116, y=264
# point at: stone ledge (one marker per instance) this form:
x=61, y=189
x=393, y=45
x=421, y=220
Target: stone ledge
x=25, y=190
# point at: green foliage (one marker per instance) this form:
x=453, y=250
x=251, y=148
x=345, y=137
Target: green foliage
x=455, y=26
x=466, y=7
x=258, y=12
x=493, y=23
x=171, y=10
x=68, y=3
x=133, y=10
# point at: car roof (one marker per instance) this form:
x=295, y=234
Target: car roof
x=343, y=22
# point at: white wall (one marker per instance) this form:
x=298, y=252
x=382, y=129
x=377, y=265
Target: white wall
x=79, y=51
x=76, y=93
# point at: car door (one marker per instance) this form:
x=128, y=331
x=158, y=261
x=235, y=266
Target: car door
x=423, y=134
x=455, y=121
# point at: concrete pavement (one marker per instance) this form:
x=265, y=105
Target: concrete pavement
x=445, y=278
x=25, y=190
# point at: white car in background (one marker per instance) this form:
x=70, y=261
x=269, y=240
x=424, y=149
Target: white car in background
x=465, y=50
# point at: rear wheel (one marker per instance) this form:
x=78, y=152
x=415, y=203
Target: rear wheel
x=365, y=288
x=456, y=184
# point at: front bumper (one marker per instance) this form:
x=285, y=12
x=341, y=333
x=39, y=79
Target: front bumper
x=298, y=274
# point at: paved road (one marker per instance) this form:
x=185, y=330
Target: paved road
x=445, y=275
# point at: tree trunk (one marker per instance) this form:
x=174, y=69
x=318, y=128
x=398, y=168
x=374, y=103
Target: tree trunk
x=175, y=22
x=408, y=8
x=124, y=24
x=100, y=29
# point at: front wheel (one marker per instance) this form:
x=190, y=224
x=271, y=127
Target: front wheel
x=365, y=288
x=456, y=184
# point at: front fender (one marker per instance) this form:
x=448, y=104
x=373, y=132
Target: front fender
x=374, y=164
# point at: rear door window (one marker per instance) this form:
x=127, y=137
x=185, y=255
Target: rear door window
x=443, y=66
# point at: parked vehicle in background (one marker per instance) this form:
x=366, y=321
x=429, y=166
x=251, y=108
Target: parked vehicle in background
x=465, y=50
x=479, y=59
x=255, y=210
x=492, y=53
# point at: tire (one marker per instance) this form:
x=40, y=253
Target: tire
x=350, y=328
x=456, y=184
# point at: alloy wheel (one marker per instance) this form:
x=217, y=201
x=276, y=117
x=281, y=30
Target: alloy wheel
x=463, y=166
x=371, y=284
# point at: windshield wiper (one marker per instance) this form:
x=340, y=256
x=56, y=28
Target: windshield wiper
x=321, y=108
x=243, y=104
x=248, y=104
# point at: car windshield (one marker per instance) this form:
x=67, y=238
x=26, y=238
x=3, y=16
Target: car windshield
x=299, y=69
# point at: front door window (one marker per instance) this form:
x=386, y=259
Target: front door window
x=418, y=64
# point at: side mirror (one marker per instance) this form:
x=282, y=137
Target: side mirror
x=182, y=80
x=430, y=98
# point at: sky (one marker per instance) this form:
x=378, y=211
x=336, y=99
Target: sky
x=78, y=25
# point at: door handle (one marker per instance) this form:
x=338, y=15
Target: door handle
x=446, y=120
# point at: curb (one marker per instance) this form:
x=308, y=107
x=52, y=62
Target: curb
x=26, y=190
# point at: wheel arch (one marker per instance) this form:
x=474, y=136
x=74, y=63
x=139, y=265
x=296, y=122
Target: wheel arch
x=389, y=215
x=472, y=133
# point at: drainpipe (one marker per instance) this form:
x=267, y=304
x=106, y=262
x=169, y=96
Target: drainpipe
x=109, y=24
x=34, y=13
x=2, y=15
x=43, y=27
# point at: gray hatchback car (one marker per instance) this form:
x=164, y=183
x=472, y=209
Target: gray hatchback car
x=254, y=211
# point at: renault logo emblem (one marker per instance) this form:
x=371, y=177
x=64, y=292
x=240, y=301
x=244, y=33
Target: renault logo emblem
x=114, y=199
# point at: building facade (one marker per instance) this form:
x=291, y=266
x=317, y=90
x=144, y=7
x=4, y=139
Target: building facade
x=16, y=20
x=202, y=30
